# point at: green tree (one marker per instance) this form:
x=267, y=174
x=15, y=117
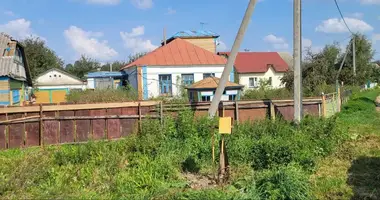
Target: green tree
x=134, y=57
x=40, y=57
x=116, y=66
x=83, y=66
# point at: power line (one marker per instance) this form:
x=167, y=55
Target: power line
x=341, y=15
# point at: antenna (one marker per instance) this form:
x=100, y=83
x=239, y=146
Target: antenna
x=246, y=50
x=202, y=24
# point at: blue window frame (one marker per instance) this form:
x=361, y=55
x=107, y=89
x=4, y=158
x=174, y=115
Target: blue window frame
x=165, y=84
x=206, y=75
x=16, y=96
x=187, y=79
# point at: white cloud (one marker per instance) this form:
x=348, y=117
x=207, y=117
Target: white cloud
x=335, y=25
x=171, y=11
x=357, y=15
x=19, y=28
x=375, y=38
x=134, y=41
x=221, y=46
x=308, y=44
x=142, y=4
x=104, y=2
x=276, y=42
x=9, y=13
x=377, y=2
x=87, y=43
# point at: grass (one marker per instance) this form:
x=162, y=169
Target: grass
x=102, y=96
x=353, y=171
x=268, y=160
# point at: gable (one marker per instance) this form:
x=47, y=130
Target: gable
x=57, y=77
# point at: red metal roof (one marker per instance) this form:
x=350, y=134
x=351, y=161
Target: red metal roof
x=257, y=62
x=178, y=53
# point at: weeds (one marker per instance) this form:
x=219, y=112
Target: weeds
x=102, y=96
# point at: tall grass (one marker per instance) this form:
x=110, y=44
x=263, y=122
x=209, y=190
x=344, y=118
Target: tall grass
x=102, y=96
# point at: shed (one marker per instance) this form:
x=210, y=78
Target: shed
x=204, y=90
x=105, y=79
x=53, y=85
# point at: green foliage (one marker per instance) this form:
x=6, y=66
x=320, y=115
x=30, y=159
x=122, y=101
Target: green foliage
x=40, y=57
x=83, y=66
x=102, y=95
x=255, y=94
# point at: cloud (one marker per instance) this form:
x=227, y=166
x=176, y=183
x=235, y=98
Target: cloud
x=104, y=2
x=375, y=38
x=357, y=15
x=171, y=11
x=276, y=42
x=221, y=46
x=142, y=4
x=87, y=43
x=376, y=2
x=308, y=44
x=335, y=25
x=134, y=41
x=19, y=28
x=9, y=13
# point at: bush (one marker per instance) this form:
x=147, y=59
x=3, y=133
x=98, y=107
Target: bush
x=102, y=96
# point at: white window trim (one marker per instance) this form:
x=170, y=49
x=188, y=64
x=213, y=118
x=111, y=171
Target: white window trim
x=255, y=82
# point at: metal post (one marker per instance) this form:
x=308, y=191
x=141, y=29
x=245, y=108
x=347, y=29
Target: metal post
x=297, y=61
x=231, y=58
x=354, y=56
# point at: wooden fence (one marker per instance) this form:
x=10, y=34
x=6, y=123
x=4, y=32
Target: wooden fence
x=58, y=124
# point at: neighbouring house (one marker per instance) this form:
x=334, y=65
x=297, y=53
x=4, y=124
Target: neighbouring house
x=251, y=67
x=204, y=90
x=202, y=38
x=166, y=70
x=15, y=78
x=105, y=80
x=53, y=85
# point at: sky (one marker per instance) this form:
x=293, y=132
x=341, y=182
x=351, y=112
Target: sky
x=109, y=30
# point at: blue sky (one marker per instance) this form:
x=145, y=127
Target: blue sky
x=109, y=30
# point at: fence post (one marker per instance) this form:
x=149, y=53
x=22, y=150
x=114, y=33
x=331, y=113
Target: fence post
x=338, y=98
x=161, y=113
x=272, y=111
x=139, y=111
x=323, y=105
x=237, y=111
x=41, y=127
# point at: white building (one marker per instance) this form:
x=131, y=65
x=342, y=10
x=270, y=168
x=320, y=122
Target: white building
x=164, y=71
x=251, y=67
x=53, y=85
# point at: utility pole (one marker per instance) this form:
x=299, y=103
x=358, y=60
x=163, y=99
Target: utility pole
x=231, y=59
x=354, y=55
x=297, y=61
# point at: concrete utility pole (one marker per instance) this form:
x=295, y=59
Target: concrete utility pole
x=297, y=61
x=354, y=55
x=231, y=58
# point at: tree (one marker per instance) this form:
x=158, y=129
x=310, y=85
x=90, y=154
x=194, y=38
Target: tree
x=116, y=66
x=132, y=58
x=40, y=57
x=83, y=66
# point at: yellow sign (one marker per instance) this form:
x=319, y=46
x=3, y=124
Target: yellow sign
x=225, y=125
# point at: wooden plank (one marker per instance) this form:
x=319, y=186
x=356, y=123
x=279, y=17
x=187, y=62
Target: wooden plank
x=129, y=126
x=51, y=129
x=113, y=125
x=76, y=107
x=32, y=130
x=16, y=133
x=82, y=126
x=2, y=133
x=98, y=125
x=66, y=127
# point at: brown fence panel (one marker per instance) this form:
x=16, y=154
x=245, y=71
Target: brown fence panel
x=311, y=109
x=3, y=142
x=113, y=125
x=16, y=132
x=50, y=129
x=129, y=126
x=82, y=126
x=98, y=125
x=67, y=127
x=285, y=112
x=32, y=131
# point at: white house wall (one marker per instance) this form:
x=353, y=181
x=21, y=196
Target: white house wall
x=176, y=71
x=276, y=78
x=83, y=87
x=91, y=83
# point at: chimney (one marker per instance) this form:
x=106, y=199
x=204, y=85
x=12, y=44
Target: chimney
x=164, y=36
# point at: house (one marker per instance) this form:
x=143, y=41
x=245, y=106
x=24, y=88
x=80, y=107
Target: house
x=204, y=90
x=15, y=75
x=105, y=79
x=251, y=67
x=164, y=71
x=53, y=85
x=201, y=38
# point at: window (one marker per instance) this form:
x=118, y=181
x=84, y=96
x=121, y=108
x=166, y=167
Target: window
x=165, y=84
x=187, y=79
x=18, y=56
x=206, y=98
x=232, y=97
x=270, y=81
x=253, y=82
x=206, y=75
